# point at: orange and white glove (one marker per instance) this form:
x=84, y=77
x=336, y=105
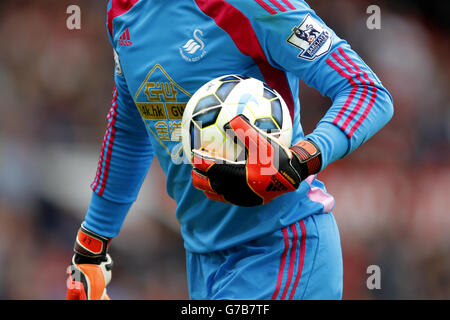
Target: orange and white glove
x=270, y=169
x=90, y=270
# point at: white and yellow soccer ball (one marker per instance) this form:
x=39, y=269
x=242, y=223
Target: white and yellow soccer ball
x=220, y=100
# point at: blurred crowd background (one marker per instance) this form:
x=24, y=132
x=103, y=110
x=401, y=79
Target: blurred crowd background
x=392, y=194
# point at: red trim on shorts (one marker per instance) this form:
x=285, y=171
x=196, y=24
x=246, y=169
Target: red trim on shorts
x=301, y=259
x=282, y=263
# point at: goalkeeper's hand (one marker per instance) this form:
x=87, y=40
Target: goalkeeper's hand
x=269, y=171
x=90, y=270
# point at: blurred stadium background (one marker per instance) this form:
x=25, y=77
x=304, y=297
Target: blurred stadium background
x=392, y=194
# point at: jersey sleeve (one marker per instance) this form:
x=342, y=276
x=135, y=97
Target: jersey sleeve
x=297, y=41
x=124, y=160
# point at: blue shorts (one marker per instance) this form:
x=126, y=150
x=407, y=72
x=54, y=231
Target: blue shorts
x=301, y=261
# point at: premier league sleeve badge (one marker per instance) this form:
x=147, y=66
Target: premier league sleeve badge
x=311, y=37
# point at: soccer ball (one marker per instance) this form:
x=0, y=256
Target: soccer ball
x=220, y=100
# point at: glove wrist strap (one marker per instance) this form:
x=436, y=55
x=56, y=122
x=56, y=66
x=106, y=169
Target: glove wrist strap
x=90, y=244
x=309, y=157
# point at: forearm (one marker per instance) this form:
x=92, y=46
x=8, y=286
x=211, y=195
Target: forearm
x=128, y=166
x=338, y=138
x=331, y=141
x=123, y=164
x=105, y=217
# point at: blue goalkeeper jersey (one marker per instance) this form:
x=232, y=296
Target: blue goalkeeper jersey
x=166, y=49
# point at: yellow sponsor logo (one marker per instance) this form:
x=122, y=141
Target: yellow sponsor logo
x=175, y=110
x=160, y=91
x=162, y=131
x=152, y=111
x=161, y=103
x=159, y=97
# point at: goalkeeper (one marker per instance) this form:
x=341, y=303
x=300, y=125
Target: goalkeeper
x=246, y=235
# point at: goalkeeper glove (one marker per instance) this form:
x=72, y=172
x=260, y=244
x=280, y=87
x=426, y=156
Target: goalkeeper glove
x=269, y=171
x=90, y=270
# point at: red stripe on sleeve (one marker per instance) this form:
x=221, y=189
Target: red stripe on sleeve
x=342, y=52
x=109, y=151
x=372, y=98
x=365, y=113
x=96, y=181
x=352, y=93
x=278, y=5
x=363, y=95
x=290, y=6
x=239, y=28
x=266, y=6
